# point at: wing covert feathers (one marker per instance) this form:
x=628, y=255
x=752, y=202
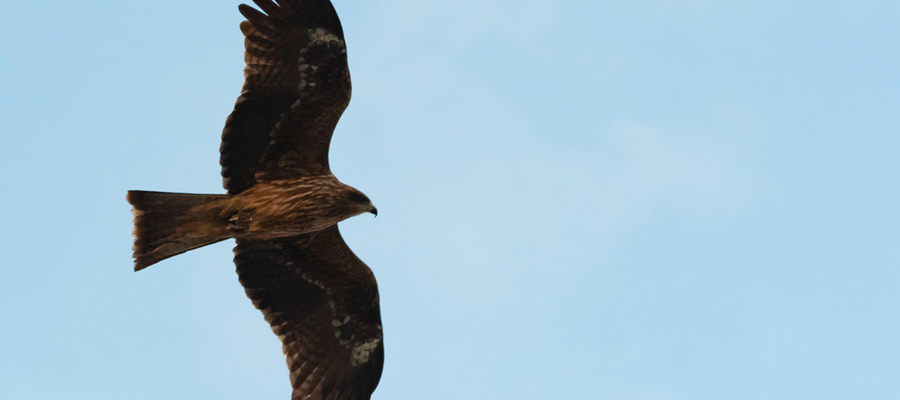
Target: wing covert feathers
x=296, y=86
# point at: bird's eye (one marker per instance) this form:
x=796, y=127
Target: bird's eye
x=358, y=198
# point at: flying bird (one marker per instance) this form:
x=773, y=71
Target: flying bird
x=283, y=203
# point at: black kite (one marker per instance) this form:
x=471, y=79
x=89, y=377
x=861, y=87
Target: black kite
x=283, y=204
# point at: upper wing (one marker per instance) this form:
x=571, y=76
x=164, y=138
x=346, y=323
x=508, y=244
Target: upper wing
x=296, y=87
x=322, y=302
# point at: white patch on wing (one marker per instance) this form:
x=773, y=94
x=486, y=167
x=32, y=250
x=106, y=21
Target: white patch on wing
x=317, y=37
x=360, y=354
x=337, y=322
x=310, y=279
x=321, y=36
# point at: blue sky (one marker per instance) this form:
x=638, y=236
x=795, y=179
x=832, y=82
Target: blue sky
x=624, y=200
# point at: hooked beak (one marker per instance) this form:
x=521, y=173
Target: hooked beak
x=374, y=211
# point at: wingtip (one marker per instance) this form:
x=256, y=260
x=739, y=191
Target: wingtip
x=140, y=265
x=251, y=13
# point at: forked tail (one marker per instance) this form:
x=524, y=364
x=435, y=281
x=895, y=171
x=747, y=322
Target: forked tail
x=168, y=224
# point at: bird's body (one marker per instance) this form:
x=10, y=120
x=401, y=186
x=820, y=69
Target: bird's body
x=293, y=207
x=283, y=204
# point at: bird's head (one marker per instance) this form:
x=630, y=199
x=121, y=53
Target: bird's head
x=359, y=203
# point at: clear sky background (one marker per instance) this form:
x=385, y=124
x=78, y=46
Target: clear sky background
x=623, y=200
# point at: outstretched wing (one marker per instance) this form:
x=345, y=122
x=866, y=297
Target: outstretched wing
x=296, y=87
x=322, y=302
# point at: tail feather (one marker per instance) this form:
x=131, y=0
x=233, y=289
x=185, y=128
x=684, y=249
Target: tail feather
x=168, y=224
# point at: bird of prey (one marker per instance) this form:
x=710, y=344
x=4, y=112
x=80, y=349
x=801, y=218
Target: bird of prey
x=283, y=204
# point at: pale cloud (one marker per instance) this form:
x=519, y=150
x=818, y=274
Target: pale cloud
x=455, y=122
x=650, y=396
x=458, y=164
x=454, y=26
x=642, y=168
x=463, y=168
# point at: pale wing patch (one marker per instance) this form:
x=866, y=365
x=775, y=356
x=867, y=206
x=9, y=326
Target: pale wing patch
x=320, y=36
x=355, y=337
x=317, y=38
x=360, y=354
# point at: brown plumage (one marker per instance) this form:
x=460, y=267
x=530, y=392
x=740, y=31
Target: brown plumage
x=283, y=204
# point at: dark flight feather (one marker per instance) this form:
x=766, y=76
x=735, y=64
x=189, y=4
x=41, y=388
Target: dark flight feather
x=322, y=301
x=296, y=88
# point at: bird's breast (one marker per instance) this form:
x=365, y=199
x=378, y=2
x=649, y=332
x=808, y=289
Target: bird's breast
x=280, y=210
